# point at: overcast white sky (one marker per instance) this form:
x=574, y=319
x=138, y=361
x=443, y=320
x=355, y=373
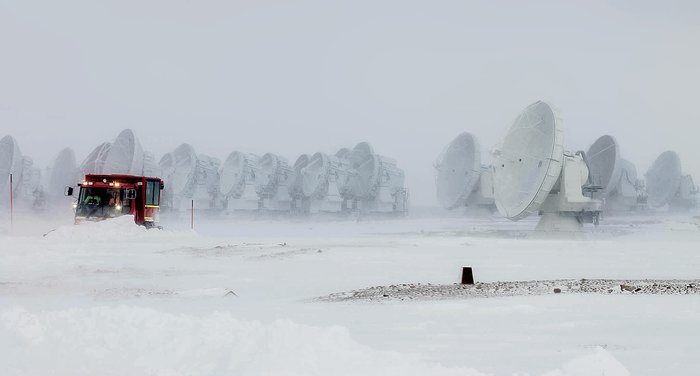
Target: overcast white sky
x=296, y=77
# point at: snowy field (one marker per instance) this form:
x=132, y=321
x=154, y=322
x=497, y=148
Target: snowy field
x=238, y=298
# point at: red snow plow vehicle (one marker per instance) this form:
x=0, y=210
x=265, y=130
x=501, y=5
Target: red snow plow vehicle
x=108, y=196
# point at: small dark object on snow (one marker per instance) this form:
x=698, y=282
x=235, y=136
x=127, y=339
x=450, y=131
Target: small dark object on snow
x=467, y=275
x=230, y=292
x=630, y=288
x=557, y=291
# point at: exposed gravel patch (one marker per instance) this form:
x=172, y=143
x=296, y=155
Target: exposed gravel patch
x=517, y=288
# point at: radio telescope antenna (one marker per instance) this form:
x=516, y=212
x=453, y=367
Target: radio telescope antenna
x=458, y=171
x=300, y=204
x=26, y=179
x=374, y=183
x=273, y=177
x=364, y=175
x=167, y=164
x=207, y=182
x=315, y=176
x=237, y=171
x=687, y=197
x=319, y=182
x=296, y=186
x=10, y=163
x=150, y=167
x=179, y=171
x=63, y=173
x=237, y=181
x=342, y=153
x=95, y=161
x=664, y=179
x=273, y=172
x=533, y=174
x=616, y=176
x=125, y=156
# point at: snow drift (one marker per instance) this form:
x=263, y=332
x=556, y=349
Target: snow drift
x=115, y=229
x=139, y=341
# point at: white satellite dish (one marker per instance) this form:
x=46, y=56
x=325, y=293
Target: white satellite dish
x=31, y=190
x=317, y=183
x=125, y=156
x=664, y=179
x=273, y=171
x=687, y=196
x=374, y=183
x=273, y=177
x=62, y=173
x=315, y=176
x=207, y=181
x=458, y=171
x=26, y=180
x=237, y=181
x=150, y=167
x=533, y=174
x=10, y=163
x=95, y=161
x=179, y=169
x=300, y=204
x=342, y=153
x=616, y=176
x=167, y=164
x=296, y=187
x=364, y=176
x=237, y=171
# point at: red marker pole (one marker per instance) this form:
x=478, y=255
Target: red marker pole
x=192, y=218
x=12, y=219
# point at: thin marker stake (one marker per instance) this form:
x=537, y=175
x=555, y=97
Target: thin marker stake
x=12, y=215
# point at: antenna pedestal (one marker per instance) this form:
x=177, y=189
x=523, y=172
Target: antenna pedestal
x=566, y=208
x=558, y=222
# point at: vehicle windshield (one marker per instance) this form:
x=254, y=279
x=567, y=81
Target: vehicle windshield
x=102, y=202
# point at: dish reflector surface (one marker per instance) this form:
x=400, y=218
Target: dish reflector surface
x=125, y=155
x=296, y=188
x=364, y=166
x=272, y=170
x=342, y=153
x=63, y=172
x=10, y=163
x=315, y=176
x=458, y=171
x=664, y=179
x=604, y=163
x=628, y=178
x=234, y=172
x=183, y=171
x=95, y=161
x=167, y=164
x=529, y=162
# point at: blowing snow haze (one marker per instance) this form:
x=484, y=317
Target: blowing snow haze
x=306, y=76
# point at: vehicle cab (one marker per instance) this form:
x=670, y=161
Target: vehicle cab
x=107, y=196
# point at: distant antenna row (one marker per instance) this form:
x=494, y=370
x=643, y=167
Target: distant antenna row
x=532, y=173
x=26, y=179
x=356, y=180
x=351, y=181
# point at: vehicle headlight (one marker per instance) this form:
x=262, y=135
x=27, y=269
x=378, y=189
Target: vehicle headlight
x=75, y=205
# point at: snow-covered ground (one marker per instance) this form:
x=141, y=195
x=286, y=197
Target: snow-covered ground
x=237, y=298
